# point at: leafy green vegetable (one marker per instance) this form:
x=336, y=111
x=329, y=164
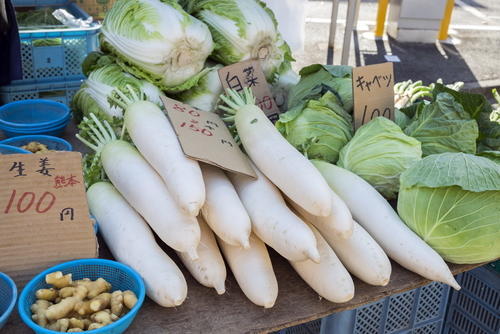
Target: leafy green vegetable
x=93, y=96
x=492, y=155
x=157, y=41
x=242, y=30
x=478, y=107
x=205, y=94
x=379, y=152
x=317, y=79
x=443, y=126
x=451, y=201
x=317, y=128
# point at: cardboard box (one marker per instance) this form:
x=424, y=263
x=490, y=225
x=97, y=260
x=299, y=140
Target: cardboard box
x=44, y=216
x=96, y=8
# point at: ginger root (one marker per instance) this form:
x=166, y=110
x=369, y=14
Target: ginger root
x=76, y=306
x=129, y=299
x=38, y=309
x=102, y=317
x=117, y=302
x=61, y=325
x=67, y=292
x=46, y=294
x=67, y=305
x=58, y=280
x=100, y=302
x=96, y=287
x=76, y=323
x=83, y=308
x=95, y=325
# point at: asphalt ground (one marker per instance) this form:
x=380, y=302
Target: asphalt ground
x=471, y=54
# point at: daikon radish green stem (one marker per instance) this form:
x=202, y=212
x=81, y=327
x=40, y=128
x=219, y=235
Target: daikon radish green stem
x=223, y=210
x=272, y=220
x=253, y=271
x=209, y=269
x=144, y=189
x=131, y=242
x=339, y=221
x=376, y=215
x=286, y=167
x=329, y=278
x=157, y=141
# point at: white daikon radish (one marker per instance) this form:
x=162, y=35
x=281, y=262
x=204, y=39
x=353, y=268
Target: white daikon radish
x=377, y=216
x=223, y=210
x=339, y=221
x=272, y=221
x=143, y=188
x=209, y=269
x=286, y=167
x=131, y=242
x=329, y=278
x=253, y=271
x=155, y=138
x=360, y=254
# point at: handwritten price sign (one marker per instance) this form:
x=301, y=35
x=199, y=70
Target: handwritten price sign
x=204, y=137
x=249, y=74
x=373, y=89
x=43, y=206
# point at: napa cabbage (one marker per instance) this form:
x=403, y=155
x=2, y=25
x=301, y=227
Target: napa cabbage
x=158, y=41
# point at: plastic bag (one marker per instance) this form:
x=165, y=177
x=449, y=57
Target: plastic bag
x=291, y=16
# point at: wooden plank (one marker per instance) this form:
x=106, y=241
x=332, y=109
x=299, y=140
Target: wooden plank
x=206, y=312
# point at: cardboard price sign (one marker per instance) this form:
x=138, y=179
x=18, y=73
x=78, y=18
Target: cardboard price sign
x=249, y=74
x=204, y=136
x=44, y=217
x=373, y=90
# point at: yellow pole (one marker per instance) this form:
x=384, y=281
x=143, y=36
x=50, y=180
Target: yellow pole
x=445, y=23
x=381, y=14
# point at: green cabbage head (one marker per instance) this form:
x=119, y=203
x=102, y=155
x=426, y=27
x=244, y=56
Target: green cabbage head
x=317, y=128
x=379, y=152
x=452, y=201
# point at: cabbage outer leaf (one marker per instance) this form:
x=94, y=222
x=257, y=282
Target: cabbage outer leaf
x=443, y=126
x=451, y=201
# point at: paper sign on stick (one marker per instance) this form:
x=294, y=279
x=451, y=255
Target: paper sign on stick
x=249, y=74
x=44, y=217
x=204, y=136
x=373, y=90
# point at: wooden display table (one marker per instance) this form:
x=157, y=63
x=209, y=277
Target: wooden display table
x=206, y=312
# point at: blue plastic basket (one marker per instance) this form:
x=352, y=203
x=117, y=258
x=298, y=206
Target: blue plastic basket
x=59, y=62
x=475, y=309
x=8, y=298
x=62, y=91
x=52, y=143
x=38, y=3
x=35, y=114
x=8, y=149
x=119, y=275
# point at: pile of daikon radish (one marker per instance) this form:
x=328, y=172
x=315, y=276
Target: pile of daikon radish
x=327, y=222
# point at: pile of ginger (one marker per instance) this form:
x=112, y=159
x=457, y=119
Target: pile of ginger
x=76, y=306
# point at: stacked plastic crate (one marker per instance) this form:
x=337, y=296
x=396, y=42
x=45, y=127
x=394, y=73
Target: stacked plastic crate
x=419, y=311
x=475, y=309
x=51, y=70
